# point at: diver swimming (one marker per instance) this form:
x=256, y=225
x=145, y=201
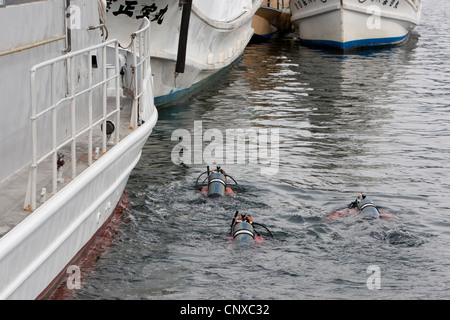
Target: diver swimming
x=216, y=183
x=364, y=206
x=242, y=229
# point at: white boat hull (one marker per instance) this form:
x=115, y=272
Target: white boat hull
x=39, y=248
x=353, y=24
x=219, y=31
x=38, y=244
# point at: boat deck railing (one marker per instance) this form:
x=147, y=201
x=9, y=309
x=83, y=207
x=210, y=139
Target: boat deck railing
x=140, y=49
x=75, y=98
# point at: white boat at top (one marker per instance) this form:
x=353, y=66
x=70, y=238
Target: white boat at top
x=69, y=136
x=217, y=33
x=352, y=24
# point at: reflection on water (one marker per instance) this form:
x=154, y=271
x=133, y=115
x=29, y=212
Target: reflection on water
x=374, y=121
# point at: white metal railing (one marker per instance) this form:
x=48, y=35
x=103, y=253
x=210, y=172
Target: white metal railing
x=140, y=49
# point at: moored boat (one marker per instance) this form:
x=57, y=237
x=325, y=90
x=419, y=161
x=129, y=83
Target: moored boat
x=353, y=24
x=191, y=39
x=70, y=135
x=271, y=18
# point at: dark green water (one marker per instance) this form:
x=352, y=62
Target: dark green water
x=376, y=122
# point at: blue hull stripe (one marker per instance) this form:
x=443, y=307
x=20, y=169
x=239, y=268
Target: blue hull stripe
x=177, y=95
x=356, y=43
x=173, y=96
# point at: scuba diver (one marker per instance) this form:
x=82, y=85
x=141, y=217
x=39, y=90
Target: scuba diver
x=242, y=229
x=216, y=183
x=362, y=205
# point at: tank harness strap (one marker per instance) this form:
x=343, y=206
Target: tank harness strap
x=243, y=231
x=368, y=205
x=217, y=180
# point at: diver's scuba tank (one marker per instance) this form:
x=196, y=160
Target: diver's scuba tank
x=366, y=206
x=242, y=229
x=216, y=184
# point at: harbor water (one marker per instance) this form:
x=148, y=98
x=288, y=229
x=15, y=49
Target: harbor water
x=376, y=122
